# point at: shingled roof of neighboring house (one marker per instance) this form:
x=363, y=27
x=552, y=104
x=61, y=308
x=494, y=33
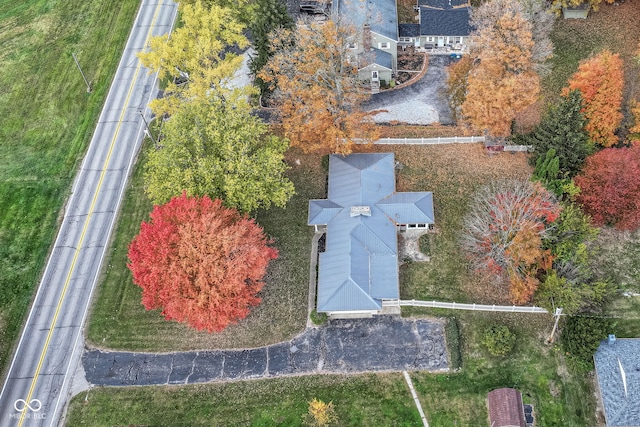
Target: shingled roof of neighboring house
x=381, y=15
x=359, y=267
x=453, y=22
x=443, y=4
x=409, y=30
x=505, y=408
x=617, y=365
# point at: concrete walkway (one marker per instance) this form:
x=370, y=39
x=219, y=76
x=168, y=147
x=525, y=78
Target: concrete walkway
x=382, y=343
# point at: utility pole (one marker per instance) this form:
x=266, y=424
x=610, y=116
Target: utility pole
x=83, y=77
x=557, y=315
x=148, y=130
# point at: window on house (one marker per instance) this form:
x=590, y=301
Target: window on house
x=457, y=40
x=406, y=39
x=383, y=45
x=430, y=39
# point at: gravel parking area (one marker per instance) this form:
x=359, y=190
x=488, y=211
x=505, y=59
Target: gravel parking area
x=422, y=103
x=382, y=343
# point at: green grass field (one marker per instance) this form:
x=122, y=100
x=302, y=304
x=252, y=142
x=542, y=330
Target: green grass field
x=120, y=321
x=46, y=122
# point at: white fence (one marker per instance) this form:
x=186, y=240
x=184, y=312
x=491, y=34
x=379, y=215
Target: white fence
x=438, y=140
x=475, y=307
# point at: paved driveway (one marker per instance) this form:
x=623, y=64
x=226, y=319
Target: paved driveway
x=423, y=102
x=382, y=343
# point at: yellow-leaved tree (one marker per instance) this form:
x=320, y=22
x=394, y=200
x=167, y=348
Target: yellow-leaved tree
x=195, y=57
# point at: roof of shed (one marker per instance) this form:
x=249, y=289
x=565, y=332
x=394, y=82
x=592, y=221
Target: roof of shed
x=381, y=15
x=506, y=408
x=360, y=265
x=618, y=368
x=452, y=22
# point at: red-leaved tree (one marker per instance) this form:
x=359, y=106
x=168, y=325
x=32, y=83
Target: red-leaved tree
x=199, y=262
x=600, y=80
x=610, y=187
x=503, y=234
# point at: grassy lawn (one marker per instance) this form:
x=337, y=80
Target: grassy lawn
x=46, y=121
x=120, y=321
x=559, y=397
x=363, y=400
x=612, y=27
x=453, y=173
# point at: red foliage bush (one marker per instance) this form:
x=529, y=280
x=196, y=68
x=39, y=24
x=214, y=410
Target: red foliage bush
x=610, y=187
x=200, y=262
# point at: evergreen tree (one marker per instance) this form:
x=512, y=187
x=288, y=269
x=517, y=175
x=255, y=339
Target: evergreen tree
x=547, y=172
x=269, y=15
x=563, y=129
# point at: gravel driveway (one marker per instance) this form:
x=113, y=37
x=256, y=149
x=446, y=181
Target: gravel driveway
x=422, y=103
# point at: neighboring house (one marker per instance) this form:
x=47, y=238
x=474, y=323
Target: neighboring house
x=617, y=363
x=358, y=272
x=505, y=408
x=376, y=47
x=442, y=23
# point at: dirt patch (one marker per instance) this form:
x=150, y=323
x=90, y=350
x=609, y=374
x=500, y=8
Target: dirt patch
x=409, y=248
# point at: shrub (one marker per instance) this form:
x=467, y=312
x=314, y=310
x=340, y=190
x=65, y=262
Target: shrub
x=320, y=414
x=499, y=340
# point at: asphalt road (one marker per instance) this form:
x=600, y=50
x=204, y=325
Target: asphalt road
x=37, y=387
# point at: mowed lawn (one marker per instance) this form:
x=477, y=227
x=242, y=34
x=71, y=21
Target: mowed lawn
x=118, y=319
x=46, y=121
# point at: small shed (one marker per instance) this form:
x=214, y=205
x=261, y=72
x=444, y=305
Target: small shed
x=617, y=365
x=505, y=408
x=576, y=12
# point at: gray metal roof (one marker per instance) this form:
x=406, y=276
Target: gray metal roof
x=322, y=211
x=381, y=15
x=452, y=22
x=618, y=364
x=359, y=267
x=408, y=208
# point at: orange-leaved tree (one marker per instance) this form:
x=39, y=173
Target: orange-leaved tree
x=199, y=262
x=600, y=80
x=610, y=187
x=504, y=232
x=316, y=88
x=502, y=81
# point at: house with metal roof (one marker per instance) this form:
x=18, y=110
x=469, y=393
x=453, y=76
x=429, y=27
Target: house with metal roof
x=617, y=363
x=358, y=271
x=376, y=48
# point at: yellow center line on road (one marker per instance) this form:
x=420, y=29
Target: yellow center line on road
x=86, y=223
